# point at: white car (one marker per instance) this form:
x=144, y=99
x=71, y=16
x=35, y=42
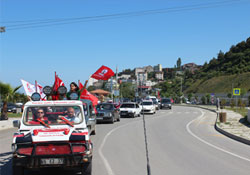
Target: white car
x=155, y=101
x=130, y=109
x=148, y=107
x=52, y=134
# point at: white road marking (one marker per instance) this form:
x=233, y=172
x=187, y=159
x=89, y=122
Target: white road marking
x=216, y=147
x=106, y=163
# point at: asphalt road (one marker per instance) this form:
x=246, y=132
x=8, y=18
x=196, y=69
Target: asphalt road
x=181, y=141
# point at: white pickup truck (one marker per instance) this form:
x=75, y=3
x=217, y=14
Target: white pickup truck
x=52, y=134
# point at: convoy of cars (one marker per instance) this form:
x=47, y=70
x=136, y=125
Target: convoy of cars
x=57, y=133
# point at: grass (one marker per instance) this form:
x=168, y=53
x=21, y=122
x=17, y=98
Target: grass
x=220, y=84
x=14, y=115
x=241, y=111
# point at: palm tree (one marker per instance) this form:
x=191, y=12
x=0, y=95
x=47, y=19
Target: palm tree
x=7, y=94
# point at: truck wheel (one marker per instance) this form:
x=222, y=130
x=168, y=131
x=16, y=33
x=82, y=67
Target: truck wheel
x=134, y=115
x=113, y=120
x=119, y=118
x=17, y=170
x=87, y=168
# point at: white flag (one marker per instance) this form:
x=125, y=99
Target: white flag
x=30, y=88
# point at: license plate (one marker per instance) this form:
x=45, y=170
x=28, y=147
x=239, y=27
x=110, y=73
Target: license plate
x=52, y=161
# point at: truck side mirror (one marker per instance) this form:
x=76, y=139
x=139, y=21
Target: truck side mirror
x=16, y=123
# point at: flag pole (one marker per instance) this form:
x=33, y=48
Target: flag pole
x=36, y=85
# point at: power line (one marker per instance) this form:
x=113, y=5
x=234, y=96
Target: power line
x=63, y=21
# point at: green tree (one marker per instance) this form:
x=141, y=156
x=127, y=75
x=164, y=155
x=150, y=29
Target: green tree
x=203, y=100
x=249, y=100
x=190, y=95
x=208, y=98
x=7, y=95
x=91, y=88
x=127, y=90
x=178, y=63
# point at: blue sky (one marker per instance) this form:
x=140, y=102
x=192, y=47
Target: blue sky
x=77, y=50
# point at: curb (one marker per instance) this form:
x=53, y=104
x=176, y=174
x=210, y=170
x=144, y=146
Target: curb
x=7, y=124
x=217, y=128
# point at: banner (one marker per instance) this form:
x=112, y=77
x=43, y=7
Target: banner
x=30, y=89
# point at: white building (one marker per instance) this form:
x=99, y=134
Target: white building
x=159, y=75
x=91, y=81
x=124, y=77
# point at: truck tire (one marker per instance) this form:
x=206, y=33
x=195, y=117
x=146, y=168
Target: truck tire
x=87, y=168
x=113, y=120
x=17, y=170
x=119, y=118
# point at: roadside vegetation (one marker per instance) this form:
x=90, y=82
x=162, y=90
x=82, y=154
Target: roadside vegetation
x=14, y=115
x=9, y=94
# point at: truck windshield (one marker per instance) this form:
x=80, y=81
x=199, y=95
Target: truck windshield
x=53, y=115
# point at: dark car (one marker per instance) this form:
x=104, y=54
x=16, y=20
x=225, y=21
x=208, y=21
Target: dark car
x=90, y=115
x=107, y=112
x=11, y=107
x=166, y=103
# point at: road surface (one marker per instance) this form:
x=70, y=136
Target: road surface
x=181, y=141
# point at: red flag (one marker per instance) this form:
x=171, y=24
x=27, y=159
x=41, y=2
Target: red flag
x=58, y=82
x=103, y=73
x=88, y=96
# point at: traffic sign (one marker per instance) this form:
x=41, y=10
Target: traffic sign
x=236, y=91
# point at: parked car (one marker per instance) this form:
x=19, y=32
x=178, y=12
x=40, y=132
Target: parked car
x=90, y=115
x=148, y=107
x=166, y=103
x=11, y=107
x=107, y=112
x=130, y=109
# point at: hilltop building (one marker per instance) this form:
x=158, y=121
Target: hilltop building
x=158, y=68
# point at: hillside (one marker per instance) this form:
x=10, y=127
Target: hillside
x=230, y=69
x=221, y=84
x=235, y=61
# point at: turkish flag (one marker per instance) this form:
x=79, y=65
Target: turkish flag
x=103, y=73
x=88, y=96
x=58, y=82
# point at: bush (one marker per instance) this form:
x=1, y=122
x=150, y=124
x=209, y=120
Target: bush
x=223, y=103
x=203, y=100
